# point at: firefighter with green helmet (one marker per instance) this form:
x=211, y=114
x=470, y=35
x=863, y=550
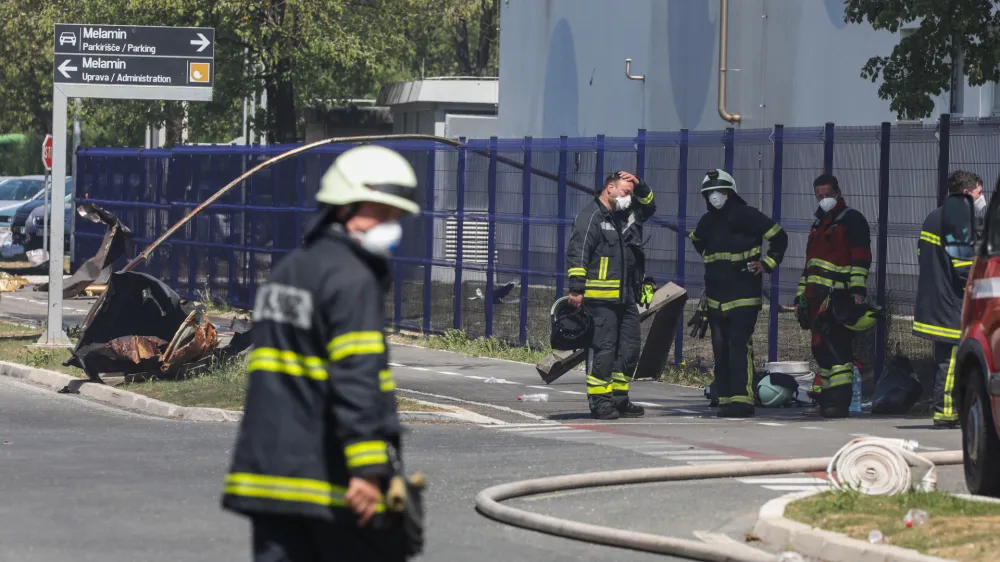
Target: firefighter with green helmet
x=318, y=451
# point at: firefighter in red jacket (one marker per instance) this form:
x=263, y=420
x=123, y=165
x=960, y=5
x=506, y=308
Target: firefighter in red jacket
x=838, y=256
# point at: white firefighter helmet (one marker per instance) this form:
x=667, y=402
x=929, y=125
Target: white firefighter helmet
x=718, y=179
x=371, y=173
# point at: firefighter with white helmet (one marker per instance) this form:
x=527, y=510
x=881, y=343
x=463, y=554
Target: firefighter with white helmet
x=729, y=238
x=319, y=443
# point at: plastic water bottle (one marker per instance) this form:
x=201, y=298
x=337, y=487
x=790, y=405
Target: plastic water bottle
x=876, y=537
x=540, y=397
x=915, y=518
x=856, y=390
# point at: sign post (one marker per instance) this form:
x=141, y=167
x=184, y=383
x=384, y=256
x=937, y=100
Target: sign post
x=115, y=62
x=47, y=162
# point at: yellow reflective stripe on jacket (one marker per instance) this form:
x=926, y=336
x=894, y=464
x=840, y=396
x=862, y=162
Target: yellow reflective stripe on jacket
x=577, y=272
x=356, y=343
x=857, y=281
x=825, y=282
x=646, y=200
x=930, y=237
x=961, y=263
x=602, y=269
x=801, y=290
x=287, y=363
x=605, y=283
x=772, y=232
x=692, y=236
x=283, y=488
x=725, y=306
x=823, y=264
x=728, y=256
x=770, y=263
x=386, y=383
x=366, y=453
x=939, y=331
x=863, y=271
x=601, y=293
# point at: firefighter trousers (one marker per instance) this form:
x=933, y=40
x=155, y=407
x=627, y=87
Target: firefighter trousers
x=833, y=351
x=614, y=352
x=301, y=539
x=944, y=382
x=732, y=346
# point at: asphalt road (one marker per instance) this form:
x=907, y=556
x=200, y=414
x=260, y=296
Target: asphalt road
x=82, y=483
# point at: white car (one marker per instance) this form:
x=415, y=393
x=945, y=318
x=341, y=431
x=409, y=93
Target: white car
x=67, y=37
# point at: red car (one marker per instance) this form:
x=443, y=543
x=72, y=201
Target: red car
x=977, y=370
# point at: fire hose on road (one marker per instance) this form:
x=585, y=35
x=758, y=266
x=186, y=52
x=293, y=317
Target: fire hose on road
x=875, y=466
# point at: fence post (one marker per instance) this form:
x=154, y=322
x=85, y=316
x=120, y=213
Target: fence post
x=779, y=156
x=459, y=227
x=561, y=232
x=491, y=243
x=682, y=197
x=640, y=153
x=883, y=243
x=729, y=140
x=828, y=132
x=429, y=241
x=599, y=165
x=525, y=239
x=944, y=156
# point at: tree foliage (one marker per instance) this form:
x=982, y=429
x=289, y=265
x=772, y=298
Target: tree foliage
x=301, y=53
x=920, y=65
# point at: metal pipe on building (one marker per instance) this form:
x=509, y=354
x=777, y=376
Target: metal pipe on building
x=723, y=51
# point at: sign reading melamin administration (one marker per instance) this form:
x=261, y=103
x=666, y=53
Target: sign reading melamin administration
x=119, y=55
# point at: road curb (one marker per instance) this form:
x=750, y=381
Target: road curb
x=780, y=533
x=116, y=397
x=142, y=404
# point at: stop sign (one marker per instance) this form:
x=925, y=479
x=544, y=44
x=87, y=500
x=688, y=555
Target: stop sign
x=47, y=152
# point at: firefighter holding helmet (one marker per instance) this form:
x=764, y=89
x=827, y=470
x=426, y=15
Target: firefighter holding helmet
x=318, y=451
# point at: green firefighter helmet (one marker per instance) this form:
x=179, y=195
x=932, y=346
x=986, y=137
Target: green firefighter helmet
x=851, y=315
x=371, y=173
x=773, y=395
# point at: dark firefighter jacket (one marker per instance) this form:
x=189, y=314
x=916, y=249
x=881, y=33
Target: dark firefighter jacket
x=838, y=253
x=595, y=255
x=727, y=239
x=940, y=287
x=320, y=404
x=632, y=220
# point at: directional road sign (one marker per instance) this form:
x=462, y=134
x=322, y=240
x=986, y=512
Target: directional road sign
x=111, y=61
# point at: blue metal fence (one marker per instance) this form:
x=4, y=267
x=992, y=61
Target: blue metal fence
x=487, y=254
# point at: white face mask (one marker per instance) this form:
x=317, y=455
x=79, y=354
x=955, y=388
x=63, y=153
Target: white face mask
x=382, y=239
x=717, y=199
x=827, y=203
x=980, y=204
x=623, y=202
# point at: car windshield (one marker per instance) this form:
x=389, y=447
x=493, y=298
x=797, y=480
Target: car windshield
x=16, y=189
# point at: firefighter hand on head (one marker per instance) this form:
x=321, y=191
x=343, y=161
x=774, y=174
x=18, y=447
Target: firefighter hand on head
x=628, y=177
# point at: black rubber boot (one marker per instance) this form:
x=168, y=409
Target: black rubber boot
x=629, y=410
x=605, y=412
x=946, y=424
x=835, y=402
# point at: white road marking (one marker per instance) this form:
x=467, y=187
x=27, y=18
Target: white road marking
x=483, y=404
x=420, y=368
x=661, y=445
x=559, y=434
x=648, y=404
x=572, y=392
x=396, y=365
x=536, y=428
x=772, y=424
x=448, y=373
x=475, y=377
x=683, y=411
x=811, y=427
x=541, y=387
x=518, y=425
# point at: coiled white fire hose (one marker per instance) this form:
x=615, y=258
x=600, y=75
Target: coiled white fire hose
x=880, y=467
